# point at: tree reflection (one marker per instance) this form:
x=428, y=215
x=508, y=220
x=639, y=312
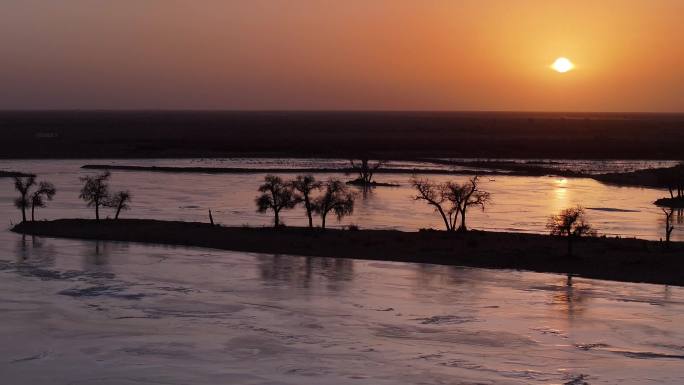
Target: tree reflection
x=98, y=256
x=22, y=249
x=306, y=272
x=667, y=294
x=569, y=299
x=32, y=248
x=366, y=191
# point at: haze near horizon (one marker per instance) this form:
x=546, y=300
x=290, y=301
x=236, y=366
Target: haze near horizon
x=360, y=55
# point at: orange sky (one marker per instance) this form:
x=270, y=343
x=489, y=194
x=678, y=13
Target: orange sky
x=330, y=54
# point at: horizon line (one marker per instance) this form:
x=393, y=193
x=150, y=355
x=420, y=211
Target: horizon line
x=613, y=112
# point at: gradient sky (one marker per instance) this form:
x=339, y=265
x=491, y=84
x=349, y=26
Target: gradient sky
x=331, y=54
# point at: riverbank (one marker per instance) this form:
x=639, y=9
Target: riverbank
x=675, y=203
x=653, y=177
x=630, y=260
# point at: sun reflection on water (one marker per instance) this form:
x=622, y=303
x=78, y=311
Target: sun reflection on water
x=561, y=198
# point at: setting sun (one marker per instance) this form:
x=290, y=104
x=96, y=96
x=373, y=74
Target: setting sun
x=562, y=65
x=360, y=192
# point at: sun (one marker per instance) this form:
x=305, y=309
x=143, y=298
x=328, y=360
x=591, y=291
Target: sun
x=562, y=65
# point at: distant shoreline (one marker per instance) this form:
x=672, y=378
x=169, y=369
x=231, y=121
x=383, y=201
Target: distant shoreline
x=339, y=134
x=279, y=170
x=629, y=260
x=652, y=178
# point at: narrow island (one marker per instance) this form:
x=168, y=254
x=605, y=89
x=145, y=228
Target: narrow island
x=14, y=174
x=283, y=170
x=631, y=260
x=663, y=178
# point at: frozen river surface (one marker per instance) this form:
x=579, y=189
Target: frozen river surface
x=84, y=312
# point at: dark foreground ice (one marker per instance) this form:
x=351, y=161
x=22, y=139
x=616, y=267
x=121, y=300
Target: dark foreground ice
x=83, y=312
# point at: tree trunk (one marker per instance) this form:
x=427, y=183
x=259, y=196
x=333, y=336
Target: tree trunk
x=97, y=211
x=307, y=205
x=323, y=220
x=364, y=170
x=23, y=213
x=33, y=210
x=118, y=210
x=277, y=218
x=463, y=221
x=668, y=226
x=444, y=217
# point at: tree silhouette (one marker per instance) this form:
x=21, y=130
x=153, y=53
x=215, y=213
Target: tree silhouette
x=463, y=196
x=119, y=201
x=46, y=191
x=669, y=227
x=95, y=191
x=451, y=200
x=336, y=198
x=365, y=170
x=570, y=223
x=305, y=184
x=276, y=195
x=432, y=194
x=674, y=179
x=23, y=185
x=679, y=180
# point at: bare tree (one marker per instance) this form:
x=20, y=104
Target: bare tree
x=95, y=191
x=365, y=169
x=46, y=191
x=276, y=195
x=337, y=198
x=570, y=223
x=463, y=196
x=433, y=194
x=305, y=184
x=23, y=185
x=669, y=227
x=119, y=201
x=674, y=179
x=451, y=200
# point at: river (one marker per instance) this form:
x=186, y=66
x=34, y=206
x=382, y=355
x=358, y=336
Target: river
x=86, y=312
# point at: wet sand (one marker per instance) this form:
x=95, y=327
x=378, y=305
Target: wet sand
x=631, y=260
